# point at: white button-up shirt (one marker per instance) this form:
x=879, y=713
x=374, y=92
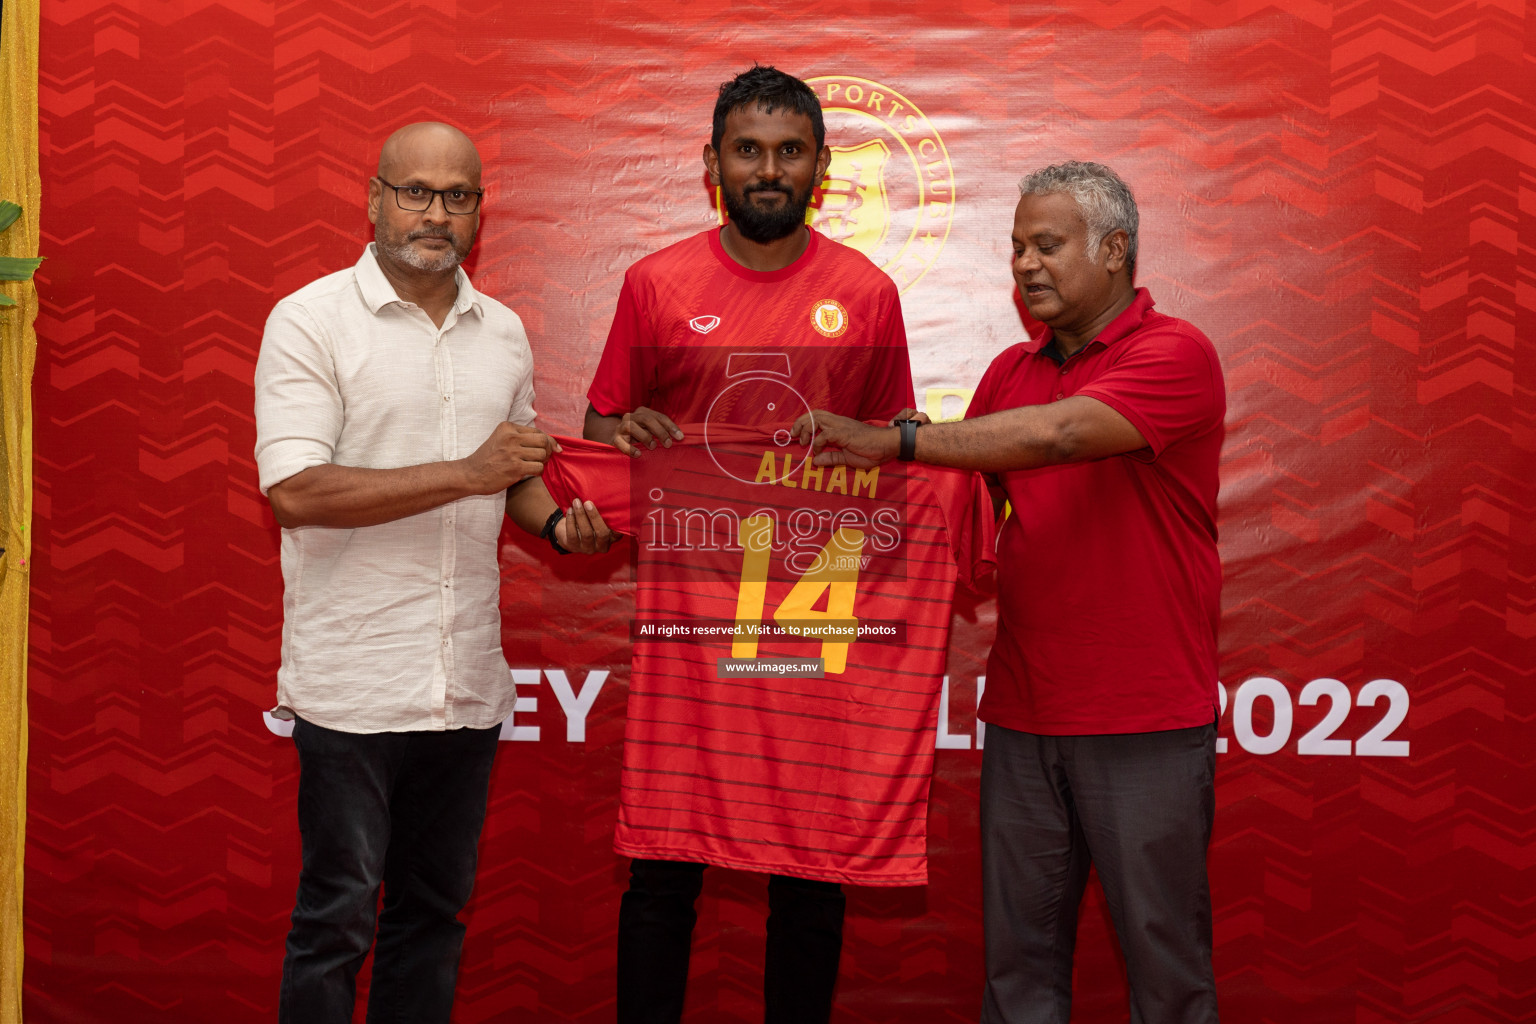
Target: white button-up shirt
x=397, y=626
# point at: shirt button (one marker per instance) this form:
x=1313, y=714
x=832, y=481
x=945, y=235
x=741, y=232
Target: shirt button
x=1060, y=396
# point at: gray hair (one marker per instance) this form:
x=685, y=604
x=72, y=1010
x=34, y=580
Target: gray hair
x=1104, y=200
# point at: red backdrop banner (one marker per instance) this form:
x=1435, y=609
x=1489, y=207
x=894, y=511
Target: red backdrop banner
x=1339, y=194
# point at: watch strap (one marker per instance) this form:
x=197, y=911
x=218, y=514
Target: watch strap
x=908, y=450
x=548, y=533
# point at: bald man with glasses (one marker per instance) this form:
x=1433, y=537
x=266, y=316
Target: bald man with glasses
x=394, y=412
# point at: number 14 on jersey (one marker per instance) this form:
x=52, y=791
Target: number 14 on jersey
x=834, y=572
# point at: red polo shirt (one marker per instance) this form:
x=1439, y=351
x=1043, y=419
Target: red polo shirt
x=1110, y=583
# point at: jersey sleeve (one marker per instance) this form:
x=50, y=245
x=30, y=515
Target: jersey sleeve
x=890, y=379
x=1168, y=386
x=615, y=384
x=589, y=471
x=966, y=505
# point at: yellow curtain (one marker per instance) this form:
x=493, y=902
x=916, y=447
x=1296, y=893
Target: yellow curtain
x=19, y=183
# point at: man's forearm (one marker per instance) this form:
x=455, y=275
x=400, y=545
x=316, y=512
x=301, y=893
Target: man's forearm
x=529, y=505
x=580, y=531
x=1022, y=438
x=597, y=427
x=350, y=496
x=1074, y=430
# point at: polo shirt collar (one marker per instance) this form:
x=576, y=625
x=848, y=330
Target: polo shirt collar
x=377, y=292
x=1127, y=323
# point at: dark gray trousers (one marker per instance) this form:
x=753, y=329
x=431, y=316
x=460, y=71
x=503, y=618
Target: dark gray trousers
x=1139, y=807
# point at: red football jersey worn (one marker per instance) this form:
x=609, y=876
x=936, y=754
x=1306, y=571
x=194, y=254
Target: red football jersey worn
x=1110, y=584
x=788, y=649
x=690, y=319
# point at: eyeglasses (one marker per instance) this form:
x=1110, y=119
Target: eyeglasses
x=418, y=198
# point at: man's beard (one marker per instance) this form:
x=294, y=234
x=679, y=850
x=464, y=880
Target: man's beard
x=400, y=248
x=761, y=226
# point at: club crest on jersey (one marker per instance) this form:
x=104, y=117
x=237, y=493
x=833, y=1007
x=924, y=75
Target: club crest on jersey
x=829, y=317
x=704, y=324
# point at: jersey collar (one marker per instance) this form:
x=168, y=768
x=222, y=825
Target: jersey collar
x=764, y=276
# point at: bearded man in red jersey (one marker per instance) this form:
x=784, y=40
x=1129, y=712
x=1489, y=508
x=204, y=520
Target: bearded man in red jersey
x=1105, y=434
x=768, y=294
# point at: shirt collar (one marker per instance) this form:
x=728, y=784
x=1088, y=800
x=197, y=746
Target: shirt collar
x=1127, y=323
x=377, y=292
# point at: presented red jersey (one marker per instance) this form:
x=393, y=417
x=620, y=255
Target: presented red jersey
x=1109, y=584
x=788, y=649
x=690, y=320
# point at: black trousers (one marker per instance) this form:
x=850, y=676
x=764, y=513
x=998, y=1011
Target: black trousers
x=656, y=919
x=1139, y=807
x=402, y=810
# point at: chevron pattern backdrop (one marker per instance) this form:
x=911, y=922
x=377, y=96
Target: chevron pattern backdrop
x=1340, y=194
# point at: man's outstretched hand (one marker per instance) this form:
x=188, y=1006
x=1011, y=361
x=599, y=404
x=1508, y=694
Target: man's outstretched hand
x=854, y=443
x=642, y=429
x=513, y=452
x=582, y=531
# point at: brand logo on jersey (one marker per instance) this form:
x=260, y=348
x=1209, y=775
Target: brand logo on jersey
x=704, y=324
x=829, y=317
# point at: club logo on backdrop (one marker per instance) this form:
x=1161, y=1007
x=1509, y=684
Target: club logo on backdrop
x=890, y=190
x=704, y=324
x=855, y=208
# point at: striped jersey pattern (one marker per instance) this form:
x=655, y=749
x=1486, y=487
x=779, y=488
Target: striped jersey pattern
x=824, y=778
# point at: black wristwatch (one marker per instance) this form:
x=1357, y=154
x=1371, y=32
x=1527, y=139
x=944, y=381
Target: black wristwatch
x=908, y=450
x=548, y=533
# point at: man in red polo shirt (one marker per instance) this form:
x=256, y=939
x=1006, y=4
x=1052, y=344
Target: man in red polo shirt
x=1105, y=435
